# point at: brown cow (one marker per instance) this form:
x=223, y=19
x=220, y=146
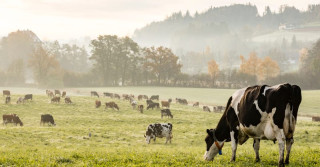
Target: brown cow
x=98, y=103
x=206, y=108
x=116, y=96
x=112, y=105
x=126, y=97
x=165, y=104
x=57, y=92
x=196, y=104
x=11, y=118
x=64, y=93
x=6, y=93
x=94, y=93
x=67, y=100
x=55, y=100
x=51, y=95
x=140, y=97
x=140, y=108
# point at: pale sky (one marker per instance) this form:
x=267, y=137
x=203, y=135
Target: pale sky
x=73, y=19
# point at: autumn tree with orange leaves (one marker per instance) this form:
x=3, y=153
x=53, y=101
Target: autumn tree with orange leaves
x=260, y=68
x=213, y=70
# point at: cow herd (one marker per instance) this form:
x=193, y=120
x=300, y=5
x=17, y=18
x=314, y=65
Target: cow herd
x=259, y=112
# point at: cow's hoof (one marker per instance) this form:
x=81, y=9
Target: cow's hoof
x=257, y=160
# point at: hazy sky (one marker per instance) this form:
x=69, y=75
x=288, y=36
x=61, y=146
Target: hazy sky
x=72, y=19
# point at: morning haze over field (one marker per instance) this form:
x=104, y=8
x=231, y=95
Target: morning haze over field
x=158, y=83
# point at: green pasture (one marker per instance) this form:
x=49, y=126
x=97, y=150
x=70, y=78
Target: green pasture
x=117, y=136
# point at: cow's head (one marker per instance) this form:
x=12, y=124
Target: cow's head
x=149, y=135
x=213, y=145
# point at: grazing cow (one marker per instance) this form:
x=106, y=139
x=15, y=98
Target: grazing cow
x=170, y=100
x=196, y=104
x=57, y=92
x=126, y=97
x=98, y=103
x=261, y=113
x=55, y=99
x=182, y=101
x=112, y=105
x=218, y=108
x=117, y=96
x=27, y=97
x=64, y=93
x=206, y=108
x=165, y=104
x=50, y=94
x=6, y=93
x=316, y=119
x=140, y=97
x=153, y=105
x=67, y=100
x=8, y=99
x=140, y=108
x=106, y=94
x=11, y=118
x=94, y=93
x=47, y=118
x=154, y=97
x=159, y=130
x=20, y=100
x=134, y=104
x=166, y=112
x=149, y=102
x=145, y=97
x=131, y=96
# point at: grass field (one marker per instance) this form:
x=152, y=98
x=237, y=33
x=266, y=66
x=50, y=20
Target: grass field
x=117, y=136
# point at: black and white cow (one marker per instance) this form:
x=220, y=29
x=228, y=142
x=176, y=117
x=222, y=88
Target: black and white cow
x=258, y=112
x=159, y=130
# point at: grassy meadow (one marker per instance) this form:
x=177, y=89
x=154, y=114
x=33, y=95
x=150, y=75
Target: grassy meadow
x=117, y=136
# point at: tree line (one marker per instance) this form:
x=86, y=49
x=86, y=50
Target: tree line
x=120, y=61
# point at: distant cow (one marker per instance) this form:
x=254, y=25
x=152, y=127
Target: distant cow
x=196, y=104
x=134, y=104
x=154, y=97
x=206, y=108
x=67, y=100
x=126, y=97
x=11, y=118
x=20, y=100
x=145, y=97
x=106, y=94
x=112, y=105
x=218, y=108
x=166, y=112
x=149, y=102
x=140, y=108
x=140, y=97
x=159, y=130
x=98, y=103
x=165, y=104
x=94, y=93
x=117, y=96
x=57, y=92
x=27, y=97
x=170, y=100
x=8, y=99
x=50, y=94
x=316, y=119
x=153, y=105
x=55, y=99
x=47, y=118
x=6, y=93
x=64, y=93
x=182, y=101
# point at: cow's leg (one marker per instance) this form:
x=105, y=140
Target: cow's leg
x=256, y=147
x=289, y=143
x=280, y=138
x=234, y=143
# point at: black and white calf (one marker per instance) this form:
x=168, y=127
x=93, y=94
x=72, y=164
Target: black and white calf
x=159, y=130
x=258, y=112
